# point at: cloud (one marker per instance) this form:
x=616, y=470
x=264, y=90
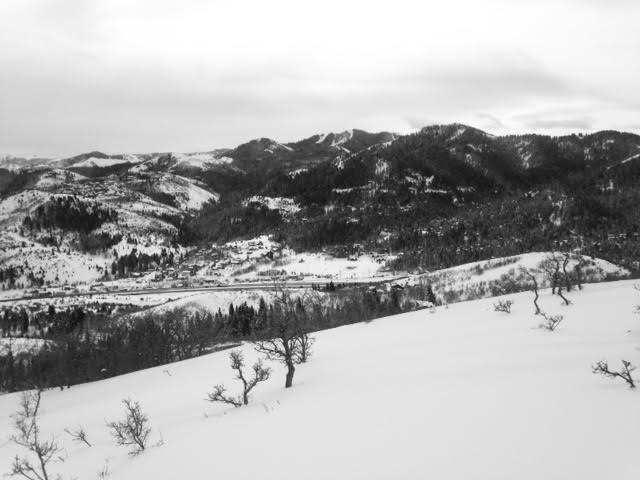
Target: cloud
x=490, y=122
x=167, y=75
x=555, y=120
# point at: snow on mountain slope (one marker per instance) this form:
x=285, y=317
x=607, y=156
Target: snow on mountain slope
x=51, y=179
x=462, y=393
x=55, y=267
x=318, y=266
x=15, y=207
x=488, y=278
x=105, y=162
x=189, y=195
x=286, y=206
x=201, y=160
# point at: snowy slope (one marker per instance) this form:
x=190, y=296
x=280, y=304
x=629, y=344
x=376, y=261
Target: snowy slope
x=462, y=393
x=106, y=162
x=56, y=177
x=481, y=279
x=189, y=195
x=201, y=160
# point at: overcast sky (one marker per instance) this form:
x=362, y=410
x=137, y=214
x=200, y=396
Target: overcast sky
x=192, y=75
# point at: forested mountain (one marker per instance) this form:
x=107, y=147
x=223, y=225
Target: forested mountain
x=444, y=195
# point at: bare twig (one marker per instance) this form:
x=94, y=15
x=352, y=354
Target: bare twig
x=602, y=368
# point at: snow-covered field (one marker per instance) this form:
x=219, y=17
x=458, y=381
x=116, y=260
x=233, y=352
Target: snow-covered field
x=461, y=393
x=322, y=266
x=210, y=302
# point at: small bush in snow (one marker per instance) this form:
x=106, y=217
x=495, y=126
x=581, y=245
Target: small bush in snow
x=134, y=430
x=503, y=306
x=551, y=322
x=29, y=437
x=260, y=374
x=79, y=436
x=602, y=368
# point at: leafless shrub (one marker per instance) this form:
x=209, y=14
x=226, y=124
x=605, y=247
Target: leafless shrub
x=78, y=435
x=25, y=422
x=503, y=306
x=260, y=374
x=104, y=472
x=602, y=368
x=551, y=322
x=134, y=430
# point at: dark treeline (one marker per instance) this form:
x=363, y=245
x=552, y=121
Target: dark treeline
x=9, y=275
x=53, y=323
x=68, y=213
x=605, y=226
x=75, y=355
x=135, y=261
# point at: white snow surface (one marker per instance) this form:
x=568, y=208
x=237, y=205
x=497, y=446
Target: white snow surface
x=201, y=160
x=286, y=206
x=314, y=266
x=188, y=193
x=57, y=177
x=106, y=162
x=461, y=393
x=468, y=279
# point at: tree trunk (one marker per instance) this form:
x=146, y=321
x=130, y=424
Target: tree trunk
x=291, y=369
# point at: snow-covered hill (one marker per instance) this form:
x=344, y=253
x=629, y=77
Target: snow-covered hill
x=460, y=393
x=489, y=278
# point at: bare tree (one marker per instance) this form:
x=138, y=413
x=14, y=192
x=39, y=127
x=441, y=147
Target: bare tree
x=503, y=306
x=602, y=367
x=134, y=430
x=28, y=436
x=260, y=374
x=78, y=435
x=551, y=322
x=534, y=283
x=552, y=266
x=289, y=340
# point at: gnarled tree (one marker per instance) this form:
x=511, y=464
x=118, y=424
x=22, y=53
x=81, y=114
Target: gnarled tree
x=288, y=338
x=260, y=374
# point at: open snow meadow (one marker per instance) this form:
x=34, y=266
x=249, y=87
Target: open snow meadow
x=452, y=392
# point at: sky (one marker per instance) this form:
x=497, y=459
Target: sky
x=194, y=75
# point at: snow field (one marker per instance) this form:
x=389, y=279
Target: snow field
x=462, y=393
